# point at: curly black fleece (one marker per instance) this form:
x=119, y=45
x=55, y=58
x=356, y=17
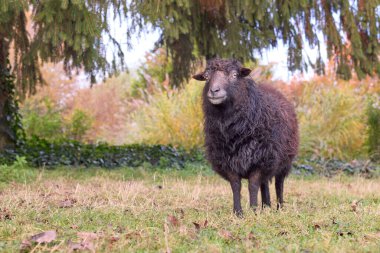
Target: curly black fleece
x=255, y=130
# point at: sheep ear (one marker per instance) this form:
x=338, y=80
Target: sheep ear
x=244, y=72
x=199, y=77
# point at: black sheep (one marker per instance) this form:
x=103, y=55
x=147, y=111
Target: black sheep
x=251, y=130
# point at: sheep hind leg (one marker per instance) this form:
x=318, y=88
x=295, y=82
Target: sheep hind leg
x=253, y=187
x=280, y=190
x=265, y=194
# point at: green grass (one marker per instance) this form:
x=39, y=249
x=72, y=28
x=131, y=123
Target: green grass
x=140, y=210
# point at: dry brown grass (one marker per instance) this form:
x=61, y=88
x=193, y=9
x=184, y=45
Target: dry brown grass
x=157, y=212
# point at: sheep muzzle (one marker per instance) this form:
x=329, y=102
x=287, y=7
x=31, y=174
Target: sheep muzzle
x=217, y=93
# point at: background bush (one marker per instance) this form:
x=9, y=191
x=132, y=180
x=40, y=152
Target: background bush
x=336, y=119
x=43, y=119
x=373, y=138
x=169, y=117
x=46, y=120
x=332, y=121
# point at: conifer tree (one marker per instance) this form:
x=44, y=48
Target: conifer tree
x=238, y=28
x=71, y=31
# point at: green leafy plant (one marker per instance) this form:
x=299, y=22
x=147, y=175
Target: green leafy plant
x=79, y=124
x=44, y=120
x=11, y=122
x=39, y=152
x=18, y=171
x=373, y=138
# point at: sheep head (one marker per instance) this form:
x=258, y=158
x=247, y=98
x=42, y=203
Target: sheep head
x=220, y=76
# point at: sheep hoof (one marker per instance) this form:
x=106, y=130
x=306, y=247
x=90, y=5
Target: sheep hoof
x=265, y=206
x=239, y=213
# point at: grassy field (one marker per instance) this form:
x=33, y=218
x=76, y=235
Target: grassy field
x=136, y=210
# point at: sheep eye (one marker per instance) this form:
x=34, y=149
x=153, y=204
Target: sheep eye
x=206, y=76
x=234, y=74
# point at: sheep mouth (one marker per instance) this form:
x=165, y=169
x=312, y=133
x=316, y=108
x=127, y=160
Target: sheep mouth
x=217, y=100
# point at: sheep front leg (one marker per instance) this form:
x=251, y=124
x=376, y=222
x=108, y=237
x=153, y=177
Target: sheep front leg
x=253, y=187
x=280, y=190
x=265, y=195
x=236, y=188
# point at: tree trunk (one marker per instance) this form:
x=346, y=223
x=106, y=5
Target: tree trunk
x=7, y=136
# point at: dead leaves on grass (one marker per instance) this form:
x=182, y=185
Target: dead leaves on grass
x=372, y=237
x=225, y=234
x=354, y=205
x=173, y=221
x=67, y=203
x=86, y=243
x=44, y=237
x=344, y=233
x=199, y=226
x=81, y=246
x=5, y=214
x=40, y=238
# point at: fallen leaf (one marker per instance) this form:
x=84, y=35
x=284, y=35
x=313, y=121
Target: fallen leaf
x=182, y=213
x=87, y=236
x=197, y=226
x=114, y=239
x=84, y=245
x=119, y=229
x=283, y=233
x=67, y=203
x=25, y=245
x=372, y=236
x=44, y=237
x=342, y=233
x=132, y=235
x=183, y=230
x=354, y=205
x=225, y=234
x=251, y=236
x=173, y=220
x=74, y=226
x=5, y=214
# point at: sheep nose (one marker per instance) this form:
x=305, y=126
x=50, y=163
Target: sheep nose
x=214, y=90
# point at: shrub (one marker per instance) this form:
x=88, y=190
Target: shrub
x=332, y=121
x=40, y=153
x=15, y=163
x=373, y=139
x=18, y=171
x=169, y=117
x=79, y=124
x=43, y=119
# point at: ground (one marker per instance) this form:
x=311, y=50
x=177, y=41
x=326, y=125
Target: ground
x=144, y=210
